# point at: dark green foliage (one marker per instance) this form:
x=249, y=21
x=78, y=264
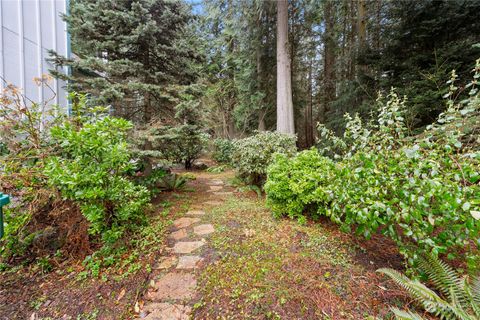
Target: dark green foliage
x=181, y=144
x=3, y=149
x=183, y=139
x=414, y=46
x=172, y=182
x=162, y=179
x=130, y=54
x=254, y=154
x=408, y=44
x=240, y=95
x=151, y=181
x=425, y=40
x=223, y=150
x=460, y=297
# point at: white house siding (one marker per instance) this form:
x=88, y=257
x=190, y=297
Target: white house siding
x=29, y=28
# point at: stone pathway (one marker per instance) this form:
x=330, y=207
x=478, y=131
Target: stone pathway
x=170, y=295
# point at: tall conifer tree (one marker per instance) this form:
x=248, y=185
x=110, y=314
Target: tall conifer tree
x=130, y=53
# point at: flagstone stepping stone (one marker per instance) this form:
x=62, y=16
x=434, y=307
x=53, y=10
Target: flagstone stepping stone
x=185, y=222
x=187, y=246
x=195, y=213
x=203, y=229
x=215, y=188
x=179, y=234
x=175, y=286
x=215, y=182
x=166, y=263
x=214, y=203
x=167, y=311
x=223, y=193
x=188, y=262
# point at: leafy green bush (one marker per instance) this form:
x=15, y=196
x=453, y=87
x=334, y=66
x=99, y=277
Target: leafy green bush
x=254, y=154
x=300, y=183
x=424, y=193
x=90, y=170
x=83, y=159
x=223, y=149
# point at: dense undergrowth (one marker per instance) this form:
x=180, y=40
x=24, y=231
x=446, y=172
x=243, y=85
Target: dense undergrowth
x=423, y=192
x=70, y=179
x=79, y=188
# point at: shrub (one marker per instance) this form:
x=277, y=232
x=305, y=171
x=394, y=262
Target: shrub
x=252, y=155
x=424, y=193
x=223, y=149
x=152, y=180
x=217, y=169
x=179, y=142
x=24, y=144
x=171, y=144
x=90, y=170
x=300, y=183
x=182, y=144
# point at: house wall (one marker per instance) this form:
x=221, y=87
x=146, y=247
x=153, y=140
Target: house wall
x=29, y=28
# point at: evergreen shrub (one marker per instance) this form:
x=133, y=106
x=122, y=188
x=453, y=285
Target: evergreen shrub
x=254, y=154
x=223, y=150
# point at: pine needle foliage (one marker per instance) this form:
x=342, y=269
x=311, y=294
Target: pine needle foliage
x=130, y=55
x=459, y=297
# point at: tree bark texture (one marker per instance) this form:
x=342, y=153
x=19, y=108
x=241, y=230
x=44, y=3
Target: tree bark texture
x=330, y=52
x=285, y=120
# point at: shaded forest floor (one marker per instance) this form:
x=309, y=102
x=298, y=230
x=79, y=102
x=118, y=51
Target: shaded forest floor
x=254, y=267
x=260, y=267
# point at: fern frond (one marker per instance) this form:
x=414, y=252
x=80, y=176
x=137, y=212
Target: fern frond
x=427, y=297
x=456, y=307
x=418, y=290
x=406, y=315
x=476, y=289
x=444, y=278
x=474, y=292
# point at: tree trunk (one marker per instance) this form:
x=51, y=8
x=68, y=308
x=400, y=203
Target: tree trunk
x=362, y=34
x=351, y=43
x=147, y=161
x=343, y=60
x=261, y=120
x=330, y=51
x=232, y=132
x=362, y=23
x=147, y=108
x=285, y=121
x=231, y=75
x=309, y=139
x=378, y=25
x=260, y=80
